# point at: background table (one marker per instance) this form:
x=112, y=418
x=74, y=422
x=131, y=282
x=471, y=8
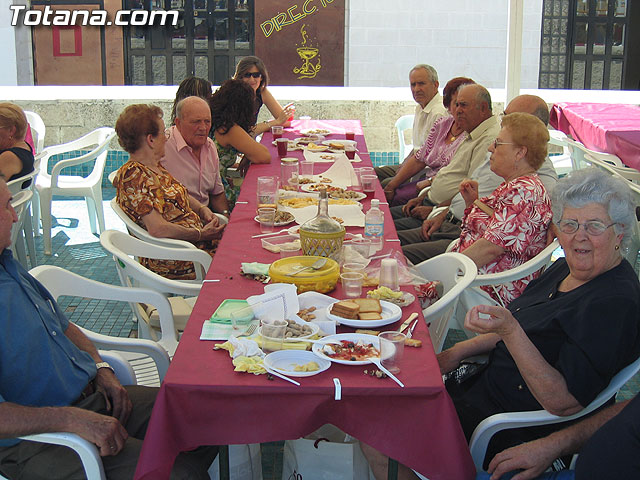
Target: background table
x=202, y=401
x=605, y=127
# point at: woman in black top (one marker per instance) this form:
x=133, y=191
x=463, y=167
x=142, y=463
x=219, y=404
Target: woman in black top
x=16, y=157
x=560, y=343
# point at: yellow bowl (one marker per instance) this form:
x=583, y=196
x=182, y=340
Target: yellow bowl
x=322, y=280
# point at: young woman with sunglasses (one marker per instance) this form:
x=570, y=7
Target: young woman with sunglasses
x=252, y=71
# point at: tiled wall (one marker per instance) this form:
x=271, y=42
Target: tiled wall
x=117, y=158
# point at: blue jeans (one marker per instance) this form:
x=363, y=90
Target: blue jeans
x=562, y=475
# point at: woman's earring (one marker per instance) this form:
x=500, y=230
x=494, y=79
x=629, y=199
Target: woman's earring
x=617, y=247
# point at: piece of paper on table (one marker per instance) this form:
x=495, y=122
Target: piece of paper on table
x=341, y=172
x=278, y=302
x=219, y=331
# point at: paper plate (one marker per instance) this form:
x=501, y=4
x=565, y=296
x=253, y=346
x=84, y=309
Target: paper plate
x=341, y=142
x=357, y=196
x=390, y=313
x=316, y=131
x=285, y=361
x=278, y=224
x=352, y=337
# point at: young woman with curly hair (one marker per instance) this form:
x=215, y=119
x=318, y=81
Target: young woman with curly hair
x=232, y=119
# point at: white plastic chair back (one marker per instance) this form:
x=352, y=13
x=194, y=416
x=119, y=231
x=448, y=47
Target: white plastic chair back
x=20, y=204
x=28, y=182
x=456, y=271
x=38, y=130
x=502, y=421
x=403, y=124
x=561, y=162
x=89, y=187
x=608, y=163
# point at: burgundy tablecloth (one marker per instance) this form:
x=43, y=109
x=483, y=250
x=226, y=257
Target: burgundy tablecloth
x=203, y=402
x=605, y=127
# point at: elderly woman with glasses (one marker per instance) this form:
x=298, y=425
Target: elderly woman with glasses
x=509, y=227
x=559, y=344
x=155, y=200
x=253, y=72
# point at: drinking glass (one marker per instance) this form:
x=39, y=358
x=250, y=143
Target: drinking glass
x=352, y=284
x=267, y=191
x=391, y=350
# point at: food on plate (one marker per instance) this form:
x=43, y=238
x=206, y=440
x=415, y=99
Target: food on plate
x=295, y=330
x=351, y=351
x=305, y=180
x=289, y=188
x=369, y=316
x=306, y=314
x=308, y=139
x=339, y=220
x=300, y=202
x=317, y=131
x=307, y=367
x=368, y=305
x=344, y=194
x=282, y=217
x=369, y=281
x=326, y=180
x=317, y=187
x=328, y=156
x=409, y=342
x=384, y=293
x=313, y=146
x=345, y=309
x=336, y=146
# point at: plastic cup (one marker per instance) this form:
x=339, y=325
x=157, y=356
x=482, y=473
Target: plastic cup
x=353, y=267
x=267, y=191
x=369, y=184
x=391, y=350
x=289, y=250
x=272, y=334
x=306, y=169
x=276, y=131
x=350, y=135
x=389, y=274
x=352, y=284
x=357, y=182
x=283, y=146
x=362, y=246
x=350, y=151
x=267, y=219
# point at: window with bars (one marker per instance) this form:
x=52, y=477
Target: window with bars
x=211, y=35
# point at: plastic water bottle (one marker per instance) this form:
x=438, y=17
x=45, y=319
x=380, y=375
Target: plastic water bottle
x=374, y=225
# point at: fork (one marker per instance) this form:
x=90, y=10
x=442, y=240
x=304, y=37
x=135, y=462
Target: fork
x=249, y=331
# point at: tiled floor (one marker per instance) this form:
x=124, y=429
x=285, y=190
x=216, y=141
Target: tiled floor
x=76, y=249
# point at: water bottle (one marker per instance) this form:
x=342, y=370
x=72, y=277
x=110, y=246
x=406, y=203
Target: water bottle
x=374, y=225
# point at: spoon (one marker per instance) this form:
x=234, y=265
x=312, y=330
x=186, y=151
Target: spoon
x=376, y=362
x=318, y=264
x=270, y=233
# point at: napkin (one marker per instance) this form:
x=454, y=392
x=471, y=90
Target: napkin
x=342, y=172
x=240, y=347
x=317, y=157
x=278, y=302
x=255, y=268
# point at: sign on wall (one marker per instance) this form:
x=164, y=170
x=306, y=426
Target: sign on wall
x=301, y=41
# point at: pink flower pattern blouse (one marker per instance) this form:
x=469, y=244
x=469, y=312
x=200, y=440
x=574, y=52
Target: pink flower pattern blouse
x=435, y=152
x=521, y=215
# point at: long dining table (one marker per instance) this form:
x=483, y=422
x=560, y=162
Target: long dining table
x=203, y=401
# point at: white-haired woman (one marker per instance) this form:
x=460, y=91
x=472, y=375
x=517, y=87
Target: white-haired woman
x=560, y=343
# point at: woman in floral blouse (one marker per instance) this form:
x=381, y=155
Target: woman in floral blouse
x=509, y=227
x=153, y=198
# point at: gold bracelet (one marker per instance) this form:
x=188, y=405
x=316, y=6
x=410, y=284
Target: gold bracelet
x=199, y=234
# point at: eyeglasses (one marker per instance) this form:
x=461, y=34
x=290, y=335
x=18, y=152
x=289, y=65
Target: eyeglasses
x=252, y=74
x=592, y=227
x=496, y=143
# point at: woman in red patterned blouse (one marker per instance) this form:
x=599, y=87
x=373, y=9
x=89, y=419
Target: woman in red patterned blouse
x=509, y=227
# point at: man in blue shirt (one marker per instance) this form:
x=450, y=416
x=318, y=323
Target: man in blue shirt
x=53, y=379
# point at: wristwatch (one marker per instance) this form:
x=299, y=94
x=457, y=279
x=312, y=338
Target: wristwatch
x=104, y=365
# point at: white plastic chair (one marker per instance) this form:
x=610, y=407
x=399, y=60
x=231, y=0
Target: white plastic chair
x=89, y=187
x=15, y=186
x=38, y=130
x=137, y=231
x=131, y=273
x=456, y=271
x=504, y=421
x=562, y=162
x=605, y=162
x=403, y=124
x=149, y=367
x=20, y=204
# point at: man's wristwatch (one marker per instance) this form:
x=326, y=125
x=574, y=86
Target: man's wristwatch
x=104, y=365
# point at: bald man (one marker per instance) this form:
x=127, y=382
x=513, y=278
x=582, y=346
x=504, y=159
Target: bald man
x=191, y=156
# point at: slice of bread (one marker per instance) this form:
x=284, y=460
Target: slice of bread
x=345, y=309
x=336, y=146
x=368, y=305
x=369, y=316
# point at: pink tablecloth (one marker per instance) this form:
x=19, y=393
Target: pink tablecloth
x=610, y=128
x=203, y=402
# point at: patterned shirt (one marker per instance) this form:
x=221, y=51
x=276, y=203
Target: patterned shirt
x=521, y=215
x=436, y=153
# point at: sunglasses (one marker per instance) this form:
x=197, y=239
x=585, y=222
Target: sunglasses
x=252, y=74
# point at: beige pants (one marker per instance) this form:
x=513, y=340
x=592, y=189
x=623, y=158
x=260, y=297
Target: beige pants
x=34, y=460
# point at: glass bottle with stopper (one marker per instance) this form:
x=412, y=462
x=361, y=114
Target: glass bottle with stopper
x=322, y=235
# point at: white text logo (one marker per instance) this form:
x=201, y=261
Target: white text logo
x=99, y=18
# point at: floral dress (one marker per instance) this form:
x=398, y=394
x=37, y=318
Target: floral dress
x=228, y=156
x=141, y=190
x=521, y=215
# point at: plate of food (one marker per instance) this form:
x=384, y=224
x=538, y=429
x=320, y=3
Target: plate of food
x=310, y=139
x=402, y=299
x=291, y=145
x=315, y=131
x=282, y=218
x=316, y=187
x=364, y=312
x=296, y=363
x=339, y=144
x=312, y=147
x=348, y=194
x=297, y=331
x=351, y=349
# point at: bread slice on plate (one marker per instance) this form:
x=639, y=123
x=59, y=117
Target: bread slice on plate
x=369, y=316
x=368, y=305
x=345, y=309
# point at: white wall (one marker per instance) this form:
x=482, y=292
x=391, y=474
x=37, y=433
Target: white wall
x=457, y=37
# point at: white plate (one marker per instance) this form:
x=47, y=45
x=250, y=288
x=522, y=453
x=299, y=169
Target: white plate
x=290, y=147
x=284, y=361
x=405, y=300
x=353, y=337
x=277, y=224
x=312, y=138
x=295, y=230
x=390, y=313
x=316, y=131
x=318, y=149
x=309, y=187
x=359, y=196
x=341, y=142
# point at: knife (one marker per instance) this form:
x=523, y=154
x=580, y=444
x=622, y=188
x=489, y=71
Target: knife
x=407, y=322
